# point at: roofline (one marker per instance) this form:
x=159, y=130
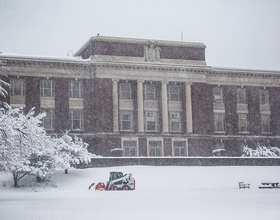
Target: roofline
x=41, y=58
x=141, y=41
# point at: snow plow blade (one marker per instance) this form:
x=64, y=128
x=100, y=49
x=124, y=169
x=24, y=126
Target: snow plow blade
x=99, y=186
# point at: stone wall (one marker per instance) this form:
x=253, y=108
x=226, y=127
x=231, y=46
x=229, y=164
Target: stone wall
x=180, y=161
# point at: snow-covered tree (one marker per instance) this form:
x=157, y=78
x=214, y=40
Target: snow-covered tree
x=72, y=151
x=20, y=136
x=3, y=84
x=26, y=149
x=43, y=162
x=261, y=151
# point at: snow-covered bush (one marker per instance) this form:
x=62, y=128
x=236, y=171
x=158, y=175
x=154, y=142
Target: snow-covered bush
x=116, y=152
x=58, y=154
x=261, y=151
x=219, y=152
x=275, y=150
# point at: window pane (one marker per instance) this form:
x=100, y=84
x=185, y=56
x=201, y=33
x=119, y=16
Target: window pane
x=180, y=152
x=219, y=122
x=75, y=85
x=155, y=151
x=174, y=93
x=155, y=143
x=75, y=89
x=126, y=120
x=129, y=143
x=151, y=126
x=241, y=96
x=175, y=126
x=47, y=88
x=242, y=123
x=47, y=93
x=130, y=148
x=218, y=95
x=47, y=84
x=126, y=117
x=265, y=121
x=126, y=125
x=158, y=151
x=76, y=119
x=133, y=151
x=179, y=143
x=76, y=124
x=48, y=121
x=17, y=87
x=150, y=92
x=264, y=96
x=125, y=91
x=151, y=118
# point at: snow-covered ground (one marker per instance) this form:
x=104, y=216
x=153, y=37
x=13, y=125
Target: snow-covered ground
x=161, y=193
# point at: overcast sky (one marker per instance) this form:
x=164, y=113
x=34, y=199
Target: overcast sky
x=237, y=33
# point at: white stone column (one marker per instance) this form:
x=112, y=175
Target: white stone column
x=140, y=104
x=164, y=107
x=189, y=109
x=115, y=106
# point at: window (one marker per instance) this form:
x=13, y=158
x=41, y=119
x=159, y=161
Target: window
x=241, y=96
x=219, y=121
x=151, y=122
x=126, y=119
x=48, y=121
x=47, y=88
x=150, y=92
x=125, y=91
x=155, y=148
x=174, y=93
x=130, y=148
x=264, y=96
x=242, y=123
x=218, y=95
x=17, y=87
x=179, y=148
x=175, y=121
x=265, y=123
x=76, y=119
x=76, y=89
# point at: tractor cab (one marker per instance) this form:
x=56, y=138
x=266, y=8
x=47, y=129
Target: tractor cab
x=115, y=175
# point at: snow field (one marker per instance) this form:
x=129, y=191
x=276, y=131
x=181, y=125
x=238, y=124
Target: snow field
x=161, y=193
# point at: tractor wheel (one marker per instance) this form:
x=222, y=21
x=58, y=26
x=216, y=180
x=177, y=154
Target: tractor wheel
x=126, y=188
x=114, y=188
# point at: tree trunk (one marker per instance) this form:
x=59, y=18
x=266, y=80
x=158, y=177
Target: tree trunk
x=66, y=171
x=17, y=177
x=15, y=180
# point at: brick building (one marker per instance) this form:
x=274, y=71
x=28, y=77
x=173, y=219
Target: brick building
x=150, y=98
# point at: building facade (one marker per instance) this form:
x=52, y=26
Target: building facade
x=149, y=98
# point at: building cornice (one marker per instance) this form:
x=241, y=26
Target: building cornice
x=26, y=61
x=127, y=66
x=243, y=73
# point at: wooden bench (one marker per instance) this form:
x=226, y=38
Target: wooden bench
x=243, y=185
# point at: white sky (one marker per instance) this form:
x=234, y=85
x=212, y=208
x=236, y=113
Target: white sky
x=237, y=33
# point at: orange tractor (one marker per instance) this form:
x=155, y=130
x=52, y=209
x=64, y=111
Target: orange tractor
x=117, y=181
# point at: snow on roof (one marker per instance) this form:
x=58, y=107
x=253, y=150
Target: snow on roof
x=43, y=57
x=238, y=69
